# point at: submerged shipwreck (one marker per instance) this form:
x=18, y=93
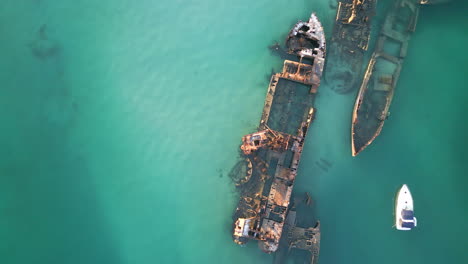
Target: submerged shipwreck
x=349, y=42
x=271, y=155
x=371, y=108
x=295, y=237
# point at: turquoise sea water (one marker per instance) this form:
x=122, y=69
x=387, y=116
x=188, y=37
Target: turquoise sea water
x=116, y=142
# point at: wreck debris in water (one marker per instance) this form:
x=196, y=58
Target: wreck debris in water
x=296, y=237
x=371, y=108
x=43, y=47
x=433, y=2
x=349, y=42
x=275, y=150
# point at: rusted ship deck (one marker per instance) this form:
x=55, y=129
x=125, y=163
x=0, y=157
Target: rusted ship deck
x=371, y=108
x=349, y=42
x=273, y=153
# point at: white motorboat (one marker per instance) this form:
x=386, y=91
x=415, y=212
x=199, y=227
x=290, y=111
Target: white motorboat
x=404, y=210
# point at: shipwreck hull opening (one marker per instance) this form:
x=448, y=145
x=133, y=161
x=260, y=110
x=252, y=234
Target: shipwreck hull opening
x=302, y=41
x=290, y=102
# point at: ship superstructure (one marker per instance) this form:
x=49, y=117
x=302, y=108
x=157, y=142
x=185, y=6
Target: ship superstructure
x=272, y=154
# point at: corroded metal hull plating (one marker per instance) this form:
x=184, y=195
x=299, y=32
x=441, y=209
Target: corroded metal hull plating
x=349, y=42
x=371, y=108
x=273, y=153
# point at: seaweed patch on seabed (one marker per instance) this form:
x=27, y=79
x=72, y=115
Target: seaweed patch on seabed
x=333, y=4
x=43, y=47
x=323, y=164
x=269, y=76
x=304, y=199
x=59, y=109
x=220, y=173
x=278, y=50
x=239, y=171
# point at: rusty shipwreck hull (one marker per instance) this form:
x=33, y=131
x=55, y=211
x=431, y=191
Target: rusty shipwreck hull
x=274, y=151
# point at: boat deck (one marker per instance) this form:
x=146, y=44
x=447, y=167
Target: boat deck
x=274, y=153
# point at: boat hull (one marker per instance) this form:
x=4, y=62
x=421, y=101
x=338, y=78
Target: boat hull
x=274, y=151
x=372, y=104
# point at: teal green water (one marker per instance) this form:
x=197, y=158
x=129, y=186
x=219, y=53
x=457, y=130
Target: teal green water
x=116, y=144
